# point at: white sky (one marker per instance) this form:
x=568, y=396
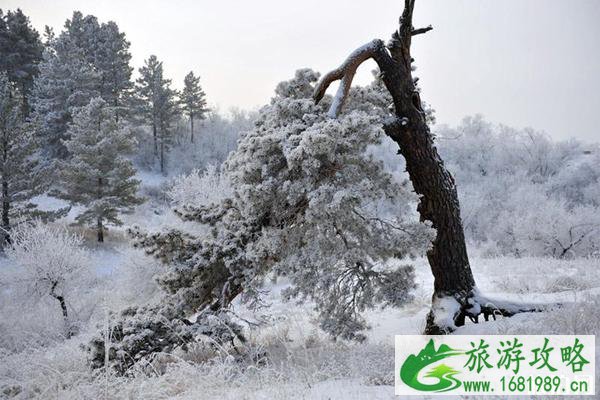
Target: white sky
x=520, y=62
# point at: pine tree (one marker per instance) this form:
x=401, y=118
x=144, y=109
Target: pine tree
x=106, y=49
x=21, y=175
x=20, y=52
x=49, y=36
x=86, y=60
x=157, y=105
x=98, y=175
x=112, y=60
x=3, y=40
x=193, y=100
x=66, y=82
x=82, y=31
x=310, y=202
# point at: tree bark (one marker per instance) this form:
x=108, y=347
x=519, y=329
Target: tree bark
x=100, y=229
x=5, y=195
x=25, y=109
x=438, y=198
x=162, y=157
x=99, y=225
x=5, y=214
x=433, y=183
x=154, y=136
x=192, y=127
x=116, y=104
x=63, y=308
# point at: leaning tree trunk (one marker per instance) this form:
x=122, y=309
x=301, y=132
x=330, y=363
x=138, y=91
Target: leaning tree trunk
x=63, y=309
x=455, y=295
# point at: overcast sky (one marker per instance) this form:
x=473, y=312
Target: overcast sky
x=519, y=62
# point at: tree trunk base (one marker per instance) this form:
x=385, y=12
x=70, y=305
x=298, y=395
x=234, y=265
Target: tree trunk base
x=448, y=312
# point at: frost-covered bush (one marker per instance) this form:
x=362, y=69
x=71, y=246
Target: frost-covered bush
x=215, y=138
x=553, y=229
x=310, y=202
x=200, y=188
x=523, y=194
x=46, y=272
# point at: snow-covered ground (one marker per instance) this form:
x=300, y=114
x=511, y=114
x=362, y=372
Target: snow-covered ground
x=287, y=356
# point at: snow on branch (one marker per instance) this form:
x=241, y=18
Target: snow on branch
x=396, y=55
x=345, y=73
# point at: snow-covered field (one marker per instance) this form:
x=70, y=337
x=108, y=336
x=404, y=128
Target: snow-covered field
x=287, y=356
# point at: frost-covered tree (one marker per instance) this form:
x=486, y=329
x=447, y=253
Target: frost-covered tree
x=98, y=175
x=310, y=202
x=49, y=261
x=112, y=61
x=86, y=60
x=82, y=32
x=157, y=106
x=106, y=49
x=21, y=175
x=20, y=52
x=193, y=100
x=66, y=82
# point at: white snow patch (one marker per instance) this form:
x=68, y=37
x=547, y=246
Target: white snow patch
x=444, y=309
x=45, y=202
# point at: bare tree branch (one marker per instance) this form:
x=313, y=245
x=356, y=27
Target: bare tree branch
x=420, y=31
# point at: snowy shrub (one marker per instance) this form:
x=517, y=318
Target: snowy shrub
x=215, y=137
x=522, y=193
x=557, y=231
x=200, y=188
x=47, y=270
x=134, y=282
x=53, y=372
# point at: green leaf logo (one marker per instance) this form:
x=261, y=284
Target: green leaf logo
x=413, y=365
